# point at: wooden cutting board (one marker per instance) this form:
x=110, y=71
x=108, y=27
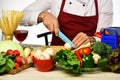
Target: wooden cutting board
x=55, y=48
x=25, y=66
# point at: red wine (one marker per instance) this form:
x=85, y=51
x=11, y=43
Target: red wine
x=21, y=35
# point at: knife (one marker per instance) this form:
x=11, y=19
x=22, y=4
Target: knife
x=65, y=38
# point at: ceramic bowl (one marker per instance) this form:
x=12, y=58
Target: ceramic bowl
x=43, y=65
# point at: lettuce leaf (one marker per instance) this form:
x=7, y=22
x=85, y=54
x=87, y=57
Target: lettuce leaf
x=68, y=60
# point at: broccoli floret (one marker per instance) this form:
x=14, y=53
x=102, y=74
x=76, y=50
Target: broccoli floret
x=101, y=48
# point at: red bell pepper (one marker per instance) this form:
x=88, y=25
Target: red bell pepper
x=79, y=57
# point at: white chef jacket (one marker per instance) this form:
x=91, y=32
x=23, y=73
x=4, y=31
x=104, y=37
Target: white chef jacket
x=76, y=7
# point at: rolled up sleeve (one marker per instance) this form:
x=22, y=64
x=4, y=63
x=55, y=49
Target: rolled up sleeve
x=105, y=14
x=31, y=17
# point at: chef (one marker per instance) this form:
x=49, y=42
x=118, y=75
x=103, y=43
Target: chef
x=77, y=19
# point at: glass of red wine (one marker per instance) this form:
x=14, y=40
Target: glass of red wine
x=21, y=32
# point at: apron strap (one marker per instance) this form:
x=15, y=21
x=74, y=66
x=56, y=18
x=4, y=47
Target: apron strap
x=96, y=7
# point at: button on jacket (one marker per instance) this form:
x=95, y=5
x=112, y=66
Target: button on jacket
x=75, y=7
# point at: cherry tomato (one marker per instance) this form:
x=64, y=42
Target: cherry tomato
x=10, y=52
x=17, y=53
x=85, y=51
x=17, y=65
x=18, y=59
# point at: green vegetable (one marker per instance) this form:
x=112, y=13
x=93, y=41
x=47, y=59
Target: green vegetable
x=102, y=62
x=88, y=61
x=2, y=69
x=12, y=57
x=2, y=59
x=10, y=64
x=68, y=60
x=101, y=48
x=8, y=44
x=6, y=63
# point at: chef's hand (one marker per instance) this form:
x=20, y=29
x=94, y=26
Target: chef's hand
x=81, y=39
x=50, y=21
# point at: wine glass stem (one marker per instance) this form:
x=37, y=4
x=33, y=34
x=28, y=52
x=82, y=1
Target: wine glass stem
x=20, y=42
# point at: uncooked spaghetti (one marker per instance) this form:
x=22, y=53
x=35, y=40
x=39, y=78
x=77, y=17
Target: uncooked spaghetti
x=9, y=20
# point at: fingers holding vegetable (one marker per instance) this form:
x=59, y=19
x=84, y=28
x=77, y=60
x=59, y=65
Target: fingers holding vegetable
x=97, y=50
x=83, y=46
x=81, y=39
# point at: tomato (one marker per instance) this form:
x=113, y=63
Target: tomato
x=85, y=51
x=10, y=52
x=18, y=59
x=17, y=65
x=17, y=53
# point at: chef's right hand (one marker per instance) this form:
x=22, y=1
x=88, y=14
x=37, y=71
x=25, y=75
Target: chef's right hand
x=50, y=21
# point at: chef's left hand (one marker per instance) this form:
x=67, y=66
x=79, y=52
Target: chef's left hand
x=81, y=39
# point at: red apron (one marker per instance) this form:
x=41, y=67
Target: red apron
x=71, y=24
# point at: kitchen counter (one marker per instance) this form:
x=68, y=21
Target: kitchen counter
x=59, y=74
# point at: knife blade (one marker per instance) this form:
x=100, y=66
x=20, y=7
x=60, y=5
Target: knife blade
x=65, y=38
